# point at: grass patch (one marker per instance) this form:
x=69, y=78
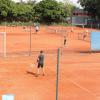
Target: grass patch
x=14, y=23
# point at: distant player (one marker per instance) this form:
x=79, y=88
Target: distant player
x=84, y=36
x=40, y=61
x=72, y=29
x=65, y=40
x=36, y=28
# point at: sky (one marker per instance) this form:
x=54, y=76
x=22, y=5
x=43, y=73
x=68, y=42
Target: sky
x=74, y=1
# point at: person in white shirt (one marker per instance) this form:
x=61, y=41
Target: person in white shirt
x=36, y=28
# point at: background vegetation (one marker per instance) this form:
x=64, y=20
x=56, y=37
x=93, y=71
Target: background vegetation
x=92, y=6
x=45, y=11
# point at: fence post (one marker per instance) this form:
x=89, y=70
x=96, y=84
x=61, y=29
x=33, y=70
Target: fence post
x=30, y=42
x=57, y=75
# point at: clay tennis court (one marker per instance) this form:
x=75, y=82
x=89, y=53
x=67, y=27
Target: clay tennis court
x=79, y=76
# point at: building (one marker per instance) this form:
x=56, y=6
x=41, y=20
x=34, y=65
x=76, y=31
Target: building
x=80, y=17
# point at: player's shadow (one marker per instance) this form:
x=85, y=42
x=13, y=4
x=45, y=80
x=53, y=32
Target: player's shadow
x=32, y=73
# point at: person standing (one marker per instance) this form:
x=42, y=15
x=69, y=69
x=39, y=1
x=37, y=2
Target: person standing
x=65, y=40
x=40, y=61
x=36, y=28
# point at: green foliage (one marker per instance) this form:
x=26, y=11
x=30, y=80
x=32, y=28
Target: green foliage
x=66, y=9
x=22, y=12
x=18, y=23
x=92, y=6
x=61, y=24
x=45, y=11
x=5, y=8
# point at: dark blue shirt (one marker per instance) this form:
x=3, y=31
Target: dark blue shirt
x=41, y=59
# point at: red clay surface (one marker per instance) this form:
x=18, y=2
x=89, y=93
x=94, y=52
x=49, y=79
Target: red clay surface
x=79, y=77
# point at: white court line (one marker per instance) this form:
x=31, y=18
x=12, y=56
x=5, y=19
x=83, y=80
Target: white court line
x=83, y=88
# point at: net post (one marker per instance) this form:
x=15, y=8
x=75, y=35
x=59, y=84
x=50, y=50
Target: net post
x=57, y=74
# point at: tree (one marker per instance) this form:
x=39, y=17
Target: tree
x=92, y=6
x=21, y=12
x=48, y=11
x=66, y=7
x=5, y=8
